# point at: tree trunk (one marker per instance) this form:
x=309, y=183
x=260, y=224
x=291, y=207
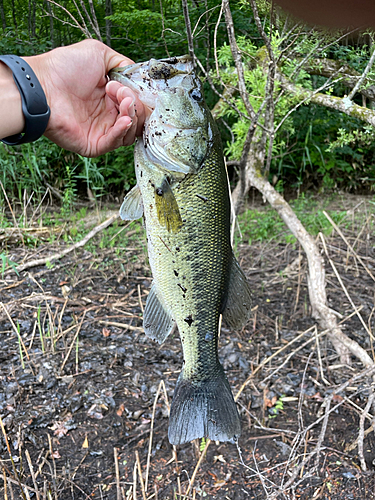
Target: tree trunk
x=33, y=19
x=341, y=104
x=108, y=23
x=14, y=16
x=330, y=67
x=51, y=28
x=2, y=14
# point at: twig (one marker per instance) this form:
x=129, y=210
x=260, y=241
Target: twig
x=318, y=446
x=237, y=60
x=79, y=244
x=152, y=433
x=140, y=298
x=11, y=458
x=163, y=26
x=73, y=342
x=197, y=468
x=118, y=489
x=32, y=474
x=121, y=325
x=11, y=210
x=360, y=81
x=361, y=433
x=320, y=358
x=215, y=40
x=140, y=475
x=76, y=24
x=267, y=360
x=346, y=291
x=188, y=28
x=335, y=226
x=135, y=481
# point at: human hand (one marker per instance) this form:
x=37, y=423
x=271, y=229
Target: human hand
x=88, y=115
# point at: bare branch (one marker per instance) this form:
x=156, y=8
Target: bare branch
x=76, y=24
x=188, y=28
x=338, y=103
x=237, y=59
x=363, y=76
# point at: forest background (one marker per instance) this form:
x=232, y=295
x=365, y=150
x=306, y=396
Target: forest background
x=322, y=133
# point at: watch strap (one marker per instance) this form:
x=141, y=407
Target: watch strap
x=34, y=103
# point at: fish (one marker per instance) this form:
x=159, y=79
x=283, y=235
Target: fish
x=182, y=192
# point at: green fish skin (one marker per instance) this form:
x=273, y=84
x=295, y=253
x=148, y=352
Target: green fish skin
x=182, y=191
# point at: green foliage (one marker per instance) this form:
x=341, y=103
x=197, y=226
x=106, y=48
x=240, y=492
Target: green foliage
x=6, y=263
x=202, y=444
x=315, y=147
x=266, y=225
x=28, y=167
x=69, y=193
x=277, y=408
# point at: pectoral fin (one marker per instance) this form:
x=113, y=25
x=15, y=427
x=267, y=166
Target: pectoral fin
x=157, y=320
x=237, y=308
x=167, y=208
x=132, y=206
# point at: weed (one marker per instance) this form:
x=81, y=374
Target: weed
x=202, y=444
x=6, y=263
x=69, y=193
x=277, y=408
x=266, y=224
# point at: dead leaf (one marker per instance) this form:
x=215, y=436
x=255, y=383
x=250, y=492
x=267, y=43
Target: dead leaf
x=65, y=291
x=106, y=332
x=220, y=483
x=336, y=398
x=121, y=410
x=269, y=403
x=85, y=443
x=59, y=429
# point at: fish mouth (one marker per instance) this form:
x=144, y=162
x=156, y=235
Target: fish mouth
x=148, y=78
x=157, y=68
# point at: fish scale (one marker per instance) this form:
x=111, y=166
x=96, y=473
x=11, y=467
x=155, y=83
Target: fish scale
x=182, y=192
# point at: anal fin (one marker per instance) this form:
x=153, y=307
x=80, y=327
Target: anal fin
x=157, y=320
x=237, y=308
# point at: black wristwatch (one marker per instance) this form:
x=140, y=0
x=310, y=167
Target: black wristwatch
x=34, y=103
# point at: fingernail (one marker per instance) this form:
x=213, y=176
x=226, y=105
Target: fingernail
x=131, y=111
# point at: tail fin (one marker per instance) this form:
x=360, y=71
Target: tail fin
x=203, y=409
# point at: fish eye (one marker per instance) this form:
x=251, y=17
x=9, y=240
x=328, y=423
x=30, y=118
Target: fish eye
x=196, y=95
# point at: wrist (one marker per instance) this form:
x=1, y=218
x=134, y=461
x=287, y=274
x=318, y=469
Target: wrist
x=39, y=64
x=13, y=121
x=34, y=105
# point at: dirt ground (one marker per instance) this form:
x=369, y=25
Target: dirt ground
x=84, y=395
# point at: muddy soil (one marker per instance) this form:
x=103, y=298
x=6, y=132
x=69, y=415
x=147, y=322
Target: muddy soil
x=84, y=395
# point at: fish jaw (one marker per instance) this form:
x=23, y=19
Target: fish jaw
x=148, y=79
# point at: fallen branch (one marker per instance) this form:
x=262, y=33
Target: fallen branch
x=15, y=234
x=316, y=277
x=79, y=244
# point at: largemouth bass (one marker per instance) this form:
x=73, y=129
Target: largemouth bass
x=182, y=191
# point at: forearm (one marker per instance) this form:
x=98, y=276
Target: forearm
x=11, y=116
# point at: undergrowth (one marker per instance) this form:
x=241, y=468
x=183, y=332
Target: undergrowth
x=265, y=224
